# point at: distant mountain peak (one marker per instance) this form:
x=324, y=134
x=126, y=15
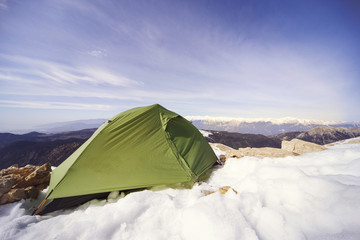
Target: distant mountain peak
x=284, y=120
x=265, y=126
x=321, y=135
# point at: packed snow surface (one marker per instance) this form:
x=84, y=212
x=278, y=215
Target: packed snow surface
x=312, y=196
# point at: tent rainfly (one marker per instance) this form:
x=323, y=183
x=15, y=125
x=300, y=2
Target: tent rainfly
x=141, y=147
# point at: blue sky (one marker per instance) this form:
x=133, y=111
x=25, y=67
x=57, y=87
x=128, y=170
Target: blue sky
x=66, y=60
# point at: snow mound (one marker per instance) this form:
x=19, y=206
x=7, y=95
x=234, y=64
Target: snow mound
x=312, y=196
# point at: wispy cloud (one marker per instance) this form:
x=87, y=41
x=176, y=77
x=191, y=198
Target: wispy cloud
x=47, y=71
x=53, y=105
x=3, y=5
x=238, y=60
x=12, y=78
x=97, y=53
x=137, y=95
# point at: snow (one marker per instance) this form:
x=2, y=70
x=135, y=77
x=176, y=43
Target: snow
x=205, y=133
x=312, y=196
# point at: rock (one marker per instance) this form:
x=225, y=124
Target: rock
x=299, y=146
x=225, y=189
x=17, y=177
x=222, y=159
x=264, y=152
x=24, y=171
x=229, y=152
x=4, y=199
x=22, y=183
x=32, y=192
x=253, y=152
x=221, y=190
x=41, y=187
x=13, y=196
x=6, y=184
x=39, y=176
x=288, y=148
x=17, y=194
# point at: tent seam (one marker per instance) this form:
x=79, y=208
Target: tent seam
x=175, y=151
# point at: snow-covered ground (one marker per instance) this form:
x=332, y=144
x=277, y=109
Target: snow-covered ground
x=312, y=196
x=205, y=133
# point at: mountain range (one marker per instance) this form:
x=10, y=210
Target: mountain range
x=37, y=148
x=264, y=126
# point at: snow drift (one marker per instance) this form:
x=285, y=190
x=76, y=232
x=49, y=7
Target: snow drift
x=312, y=196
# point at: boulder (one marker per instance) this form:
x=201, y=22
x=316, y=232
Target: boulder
x=32, y=192
x=5, y=199
x=229, y=152
x=16, y=177
x=6, y=184
x=39, y=176
x=17, y=194
x=41, y=187
x=13, y=195
x=22, y=183
x=24, y=171
x=299, y=146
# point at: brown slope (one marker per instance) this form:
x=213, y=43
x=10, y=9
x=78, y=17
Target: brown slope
x=320, y=135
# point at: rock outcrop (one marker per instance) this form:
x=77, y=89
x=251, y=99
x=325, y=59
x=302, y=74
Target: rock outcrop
x=288, y=148
x=299, y=146
x=22, y=183
x=265, y=152
x=252, y=152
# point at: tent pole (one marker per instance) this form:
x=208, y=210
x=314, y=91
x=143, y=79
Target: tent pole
x=42, y=204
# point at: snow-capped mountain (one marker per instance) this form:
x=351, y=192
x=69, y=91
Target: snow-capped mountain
x=265, y=126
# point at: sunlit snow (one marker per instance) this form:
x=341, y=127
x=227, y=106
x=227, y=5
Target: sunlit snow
x=312, y=196
x=205, y=133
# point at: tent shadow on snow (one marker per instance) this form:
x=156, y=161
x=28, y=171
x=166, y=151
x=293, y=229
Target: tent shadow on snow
x=139, y=148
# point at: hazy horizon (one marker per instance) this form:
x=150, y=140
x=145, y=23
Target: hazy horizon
x=46, y=125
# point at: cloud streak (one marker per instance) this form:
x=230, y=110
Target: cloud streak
x=47, y=71
x=53, y=105
x=97, y=53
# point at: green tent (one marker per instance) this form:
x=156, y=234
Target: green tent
x=141, y=147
